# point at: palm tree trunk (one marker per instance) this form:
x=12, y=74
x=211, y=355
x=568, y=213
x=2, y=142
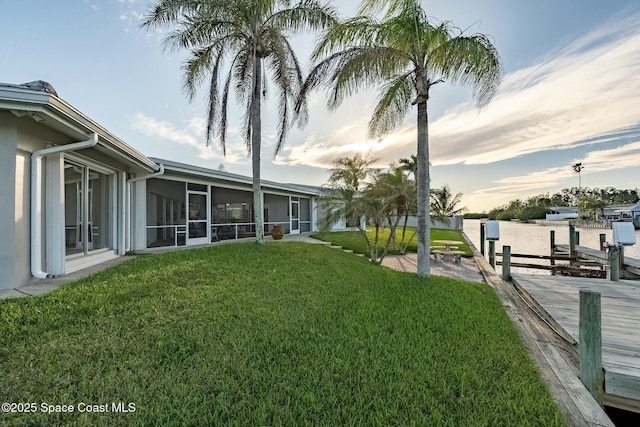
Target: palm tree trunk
x=423, y=192
x=256, y=136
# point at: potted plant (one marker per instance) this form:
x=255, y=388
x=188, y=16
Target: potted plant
x=276, y=232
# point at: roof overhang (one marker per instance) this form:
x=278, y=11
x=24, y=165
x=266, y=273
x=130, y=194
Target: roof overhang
x=221, y=176
x=53, y=112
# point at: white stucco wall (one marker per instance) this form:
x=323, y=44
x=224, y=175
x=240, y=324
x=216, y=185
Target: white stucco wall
x=9, y=212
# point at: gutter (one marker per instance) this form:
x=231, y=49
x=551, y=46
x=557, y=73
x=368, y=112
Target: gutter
x=36, y=200
x=128, y=201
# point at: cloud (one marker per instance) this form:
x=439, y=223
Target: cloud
x=586, y=89
x=589, y=89
x=614, y=159
x=191, y=135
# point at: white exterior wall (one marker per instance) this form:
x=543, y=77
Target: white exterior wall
x=139, y=215
x=10, y=209
x=55, y=219
x=22, y=226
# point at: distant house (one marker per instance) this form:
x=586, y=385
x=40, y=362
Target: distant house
x=558, y=213
x=630, y=213
x=74, y=195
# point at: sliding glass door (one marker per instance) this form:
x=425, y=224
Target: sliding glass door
x=88, y=209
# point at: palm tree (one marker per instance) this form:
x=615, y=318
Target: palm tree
x=350, y=172
x=577, y=168
x=445, y=204
x=410, y=165
x=408, y=54
x=347, y=180
x=402, y=190
x=249, y=37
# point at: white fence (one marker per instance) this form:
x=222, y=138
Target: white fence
x=453, y=223
x=561, y=216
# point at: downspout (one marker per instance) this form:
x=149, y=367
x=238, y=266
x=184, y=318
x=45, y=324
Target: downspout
x=36, y=200
x=129, y=203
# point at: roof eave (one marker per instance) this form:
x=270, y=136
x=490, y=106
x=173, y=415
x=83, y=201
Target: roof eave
x=78, y=125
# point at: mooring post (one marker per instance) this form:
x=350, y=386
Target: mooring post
x=482, y=238
x=552, y=239
x=506, y=263
x=577, y=238
x=603, y=239
x=572, y=242
x=590, y=344
x=614, y=263
x=492, y=253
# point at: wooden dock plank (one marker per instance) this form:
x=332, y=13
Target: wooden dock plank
x=631, y=265
x=559, y=297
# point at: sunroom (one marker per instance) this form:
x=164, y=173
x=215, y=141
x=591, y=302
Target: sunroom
x=189, y=205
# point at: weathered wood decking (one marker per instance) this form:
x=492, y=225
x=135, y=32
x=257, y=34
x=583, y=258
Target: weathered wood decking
x=558, y=296
x=631, y=265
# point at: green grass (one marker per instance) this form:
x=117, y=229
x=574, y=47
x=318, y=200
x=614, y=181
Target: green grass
x=279, y=334
x=355, y=240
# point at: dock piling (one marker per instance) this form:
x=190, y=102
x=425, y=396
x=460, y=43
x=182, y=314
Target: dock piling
x=603, y=239
x=572, y=242
x=553, y=246
x=590, y=344
x=492, y=253
x=482, y=239
x=614, y=263
x=506, y=263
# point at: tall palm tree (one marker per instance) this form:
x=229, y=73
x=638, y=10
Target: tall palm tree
x=249, y=37
x=577, y=168
x=407, y=54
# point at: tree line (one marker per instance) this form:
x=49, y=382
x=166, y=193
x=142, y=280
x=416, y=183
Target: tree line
x=588, y=200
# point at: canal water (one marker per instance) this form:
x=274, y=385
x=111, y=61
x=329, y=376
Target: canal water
x=534, y=239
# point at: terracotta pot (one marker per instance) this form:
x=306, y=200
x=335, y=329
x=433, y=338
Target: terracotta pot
x=276, y=232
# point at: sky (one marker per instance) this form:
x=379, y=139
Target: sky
x=570, y=93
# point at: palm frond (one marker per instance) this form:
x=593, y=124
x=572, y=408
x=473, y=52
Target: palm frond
x=305, y=15
x=470, y=60
x=393, y=105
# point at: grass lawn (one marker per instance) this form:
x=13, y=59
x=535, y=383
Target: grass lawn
x=354, y=239
x=279, y=334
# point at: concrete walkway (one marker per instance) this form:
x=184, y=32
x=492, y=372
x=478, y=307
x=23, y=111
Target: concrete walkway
x=40, y=287
x=466, y=269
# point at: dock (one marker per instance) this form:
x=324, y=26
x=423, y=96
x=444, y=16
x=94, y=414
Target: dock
x=630, y=266
x=556, y=298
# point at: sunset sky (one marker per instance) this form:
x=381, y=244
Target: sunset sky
x=571, y=93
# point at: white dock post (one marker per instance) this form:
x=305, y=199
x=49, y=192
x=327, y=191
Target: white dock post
x=590, y=344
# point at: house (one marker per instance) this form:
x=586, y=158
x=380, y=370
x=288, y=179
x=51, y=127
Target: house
x=628, y=213
x=556, y=213
x=74, y=195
